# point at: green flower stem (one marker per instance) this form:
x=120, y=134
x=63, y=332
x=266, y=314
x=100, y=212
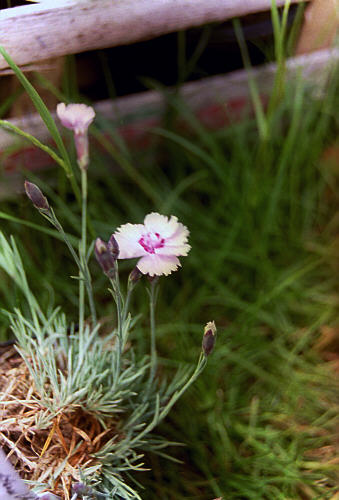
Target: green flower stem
x=160, y=415
x=51, y=217
x=83, y=245
x=117, y=297
x=125, y=310
x=177, y=395
x=127, y=303
x=88, y=284
x=153, y=332
x=82, y=266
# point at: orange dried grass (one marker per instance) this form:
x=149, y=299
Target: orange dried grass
x=68, y=441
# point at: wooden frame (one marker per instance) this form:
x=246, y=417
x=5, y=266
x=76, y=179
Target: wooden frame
x=54, y=28
x=320, y=26
x=225, y=90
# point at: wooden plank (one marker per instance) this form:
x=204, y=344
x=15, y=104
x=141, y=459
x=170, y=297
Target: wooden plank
x=320, y=26
x=33, y=33
x=202, y=95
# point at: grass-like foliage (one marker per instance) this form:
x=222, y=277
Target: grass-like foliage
x=71, y=371
x=260, y=199
x=90, y=400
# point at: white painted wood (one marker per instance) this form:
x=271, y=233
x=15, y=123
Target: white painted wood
x=53, y=28
x=198, y=95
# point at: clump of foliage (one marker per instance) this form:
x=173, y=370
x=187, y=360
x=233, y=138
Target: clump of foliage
x=79, y=407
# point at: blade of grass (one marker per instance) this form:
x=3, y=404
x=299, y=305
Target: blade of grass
x=46, y=117
x=13, y=128
x=42, y=229
x=258, y=107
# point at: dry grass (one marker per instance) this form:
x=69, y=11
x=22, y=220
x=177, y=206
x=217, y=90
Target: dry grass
x=52, y=454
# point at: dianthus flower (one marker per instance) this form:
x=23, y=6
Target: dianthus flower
x=77, y=117
x=159, y=241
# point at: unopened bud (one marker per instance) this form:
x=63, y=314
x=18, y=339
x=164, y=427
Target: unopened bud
x=37, y=198
x=134, y=276
x=113, y=247
x=105, y=257
x=208, y=339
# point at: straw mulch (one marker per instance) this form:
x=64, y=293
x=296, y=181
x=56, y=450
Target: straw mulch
x=53, y=452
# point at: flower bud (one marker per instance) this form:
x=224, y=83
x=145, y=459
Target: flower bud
x=113, y=247
x=134, y=276
x=208, y=339
x=105, y=257
x=37, y=198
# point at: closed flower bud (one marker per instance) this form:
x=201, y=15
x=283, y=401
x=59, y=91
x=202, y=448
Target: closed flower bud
x=37, y=198
x=135, y=276
x=113, y=247
x=105, y=257
x=208, y=339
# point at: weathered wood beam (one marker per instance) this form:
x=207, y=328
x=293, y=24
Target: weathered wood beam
x=320, y=26
x=199, y=95
x=33, y=33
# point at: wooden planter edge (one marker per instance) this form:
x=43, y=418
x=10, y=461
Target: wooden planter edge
x=34, y=33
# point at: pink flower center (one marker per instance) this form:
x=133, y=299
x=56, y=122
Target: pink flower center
x=151, y=241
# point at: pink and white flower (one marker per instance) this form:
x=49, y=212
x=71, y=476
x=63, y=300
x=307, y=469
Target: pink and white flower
x=159, y=241
x=77, y=117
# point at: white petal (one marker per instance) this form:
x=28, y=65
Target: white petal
x=178, y=250
x=156, y=265
x=157, y=223
x=179, y=237
x=128, y=237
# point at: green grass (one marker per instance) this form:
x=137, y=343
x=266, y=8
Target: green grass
x=261, y=211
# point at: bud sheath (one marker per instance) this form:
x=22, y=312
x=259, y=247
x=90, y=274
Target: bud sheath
x=209, y=337
x=113, y=247
x=105, y=257
x=37, y=198
x=134, y=276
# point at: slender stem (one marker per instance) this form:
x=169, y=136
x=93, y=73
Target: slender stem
x=117, y=296
x=153, y=333
x=82, y=266
x=82, y=249
x=160, y=416
x=199, y=368
x=119, y=317
x=51, y=217
x=127, y=302
x=89, y=289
